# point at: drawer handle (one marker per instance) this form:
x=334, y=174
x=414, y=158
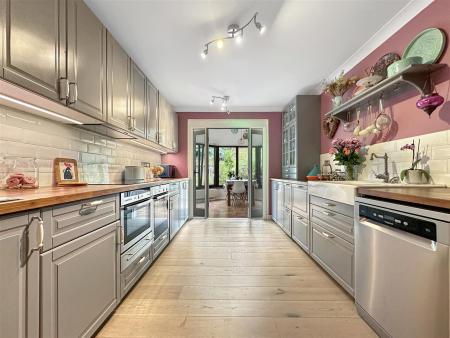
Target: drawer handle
x=89, y=208
x=327, y=235
x=329, y=204
x=142, y=260
x=300, y=218
x=327, y=213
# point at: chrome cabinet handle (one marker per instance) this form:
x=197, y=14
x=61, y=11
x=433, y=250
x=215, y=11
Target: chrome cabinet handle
x=328, y=213
x=89, y=208
x=142, y=260
x=327, y=235
x=327, y=204
x=300, y=218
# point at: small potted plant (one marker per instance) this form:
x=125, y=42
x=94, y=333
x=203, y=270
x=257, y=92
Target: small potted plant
x=346, y=153
x=413, y=175
x=338, y=87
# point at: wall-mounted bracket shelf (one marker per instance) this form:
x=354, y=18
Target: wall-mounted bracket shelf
x=415, y=76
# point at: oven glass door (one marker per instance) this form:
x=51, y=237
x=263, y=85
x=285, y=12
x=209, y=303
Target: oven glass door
x=161, y=214
x=136, y=220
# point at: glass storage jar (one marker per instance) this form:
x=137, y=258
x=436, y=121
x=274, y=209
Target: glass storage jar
x=19, y=173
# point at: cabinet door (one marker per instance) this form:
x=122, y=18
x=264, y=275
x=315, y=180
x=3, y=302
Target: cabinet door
x=299, y=195
x=118, y=70
x=274, y=200
x=287, y=221
x=174, y=215
x=79, y=284
x=34, y=32
x=86, y=60
x=163, y=122
x=288, y=196
x=152, y=112
x=300, y=230
x=19, y=277
x=138, y=111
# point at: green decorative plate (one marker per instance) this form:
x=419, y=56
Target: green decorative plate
x=429, y=45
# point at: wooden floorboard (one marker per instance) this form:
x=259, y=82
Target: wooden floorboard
x=235, y=278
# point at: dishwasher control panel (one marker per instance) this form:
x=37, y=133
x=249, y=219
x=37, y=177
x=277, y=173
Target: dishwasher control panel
x=413, y=225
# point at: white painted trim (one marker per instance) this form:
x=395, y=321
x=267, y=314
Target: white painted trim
x=400, y=19
x=241, y=109
x=230, y=123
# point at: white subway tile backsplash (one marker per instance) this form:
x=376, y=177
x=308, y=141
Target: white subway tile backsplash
x=435, y=151
x=100, y=160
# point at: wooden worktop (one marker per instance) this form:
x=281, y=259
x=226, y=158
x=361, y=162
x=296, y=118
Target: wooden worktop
x=433, y=197
x=49, y=196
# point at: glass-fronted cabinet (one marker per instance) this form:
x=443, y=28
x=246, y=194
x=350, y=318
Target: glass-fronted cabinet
x=301, y=136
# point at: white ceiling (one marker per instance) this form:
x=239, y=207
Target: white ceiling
x=304, y=43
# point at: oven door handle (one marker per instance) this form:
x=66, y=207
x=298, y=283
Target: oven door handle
x=138, y=205
x=161, y=197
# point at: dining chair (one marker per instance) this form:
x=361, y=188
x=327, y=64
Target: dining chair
x=238, y=191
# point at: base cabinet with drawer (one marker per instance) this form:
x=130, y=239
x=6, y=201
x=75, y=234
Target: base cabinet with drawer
x=19, y=276
x=79, y=284
x=300, y=230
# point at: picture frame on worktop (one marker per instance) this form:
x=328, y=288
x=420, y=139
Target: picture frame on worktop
x=66, y=172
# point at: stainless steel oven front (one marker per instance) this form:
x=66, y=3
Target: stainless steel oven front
x=136, y=217
x=161, y=217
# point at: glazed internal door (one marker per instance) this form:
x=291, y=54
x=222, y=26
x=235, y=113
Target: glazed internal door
x=200, y=165
x=256, y=181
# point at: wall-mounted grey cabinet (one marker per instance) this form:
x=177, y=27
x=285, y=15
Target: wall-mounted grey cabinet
x=118, y=73
x=34, y=55
x=138, y=117
x=19, y=276
x=79, y=284
x=168, y=124
x=152, y=112
x=300, y=136
x=86, y=60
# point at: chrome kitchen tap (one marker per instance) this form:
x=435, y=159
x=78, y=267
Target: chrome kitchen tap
x=384, y=176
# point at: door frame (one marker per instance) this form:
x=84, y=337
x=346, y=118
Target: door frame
x=224, y=124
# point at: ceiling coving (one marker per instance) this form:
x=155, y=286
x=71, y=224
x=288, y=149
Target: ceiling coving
x=235, y=32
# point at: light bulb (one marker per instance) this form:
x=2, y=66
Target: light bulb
x=219, y=44
x=203, y=55
x=211, y=102
x=239, y=39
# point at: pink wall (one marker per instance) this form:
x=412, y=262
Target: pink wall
x=180, y=159
x=408, y=120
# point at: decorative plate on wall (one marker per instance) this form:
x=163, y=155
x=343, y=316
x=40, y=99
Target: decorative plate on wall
x=429, y=45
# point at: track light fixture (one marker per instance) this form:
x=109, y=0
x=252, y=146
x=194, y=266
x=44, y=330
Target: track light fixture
x=234, y=32
x=223, y=102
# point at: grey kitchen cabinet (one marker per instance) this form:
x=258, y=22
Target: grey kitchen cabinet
x=168, y=125
x=335, y=255
x=86, y=60
x=286, y=225
x=19, y=276
x=152, y=112
x=300, y=230
x=287, y=195
x=280, y=203
x=299, y=198
x=138, y=114
x=34, y=55
x=184, y=202
x=118, y=93
x=174, y=215
x=275, y=201
x=79, y=284
x=300, y=136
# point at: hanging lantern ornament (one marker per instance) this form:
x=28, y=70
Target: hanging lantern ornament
x=429, y=102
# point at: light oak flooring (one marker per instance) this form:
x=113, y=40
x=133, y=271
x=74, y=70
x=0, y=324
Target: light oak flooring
x=220, y=209
x=235, y=278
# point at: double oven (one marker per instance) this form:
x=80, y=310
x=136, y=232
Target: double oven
x=137, y=236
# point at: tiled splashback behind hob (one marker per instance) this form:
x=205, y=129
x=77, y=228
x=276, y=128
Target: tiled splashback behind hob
x=435, y=148
x=100, y=159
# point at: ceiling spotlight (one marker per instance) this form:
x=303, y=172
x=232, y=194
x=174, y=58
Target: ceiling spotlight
x=235, y=32
x=224, y=102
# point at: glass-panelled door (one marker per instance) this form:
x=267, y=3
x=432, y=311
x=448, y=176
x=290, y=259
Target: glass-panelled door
x=255, y=181
x=200, y=181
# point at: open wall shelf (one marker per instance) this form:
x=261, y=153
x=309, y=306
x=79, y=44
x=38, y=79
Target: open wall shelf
x=415, y=76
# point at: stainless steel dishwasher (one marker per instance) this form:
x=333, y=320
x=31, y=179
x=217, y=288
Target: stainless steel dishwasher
x=402, y=269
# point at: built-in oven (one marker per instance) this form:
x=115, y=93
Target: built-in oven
x=160, y=217
x=136, y=217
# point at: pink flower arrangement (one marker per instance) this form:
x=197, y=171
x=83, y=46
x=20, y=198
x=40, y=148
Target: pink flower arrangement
x=346, y=152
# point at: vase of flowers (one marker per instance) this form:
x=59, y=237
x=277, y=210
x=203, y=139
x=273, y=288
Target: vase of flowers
x=346, y=153
x=157, y=171
x=414, y=175
x=338, y=87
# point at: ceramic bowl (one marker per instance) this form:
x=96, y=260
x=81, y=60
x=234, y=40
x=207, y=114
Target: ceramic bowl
x=401, y=65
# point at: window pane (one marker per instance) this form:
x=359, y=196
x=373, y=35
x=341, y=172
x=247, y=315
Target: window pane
x=243, y=162
x=211, y=165
x=227, y=163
